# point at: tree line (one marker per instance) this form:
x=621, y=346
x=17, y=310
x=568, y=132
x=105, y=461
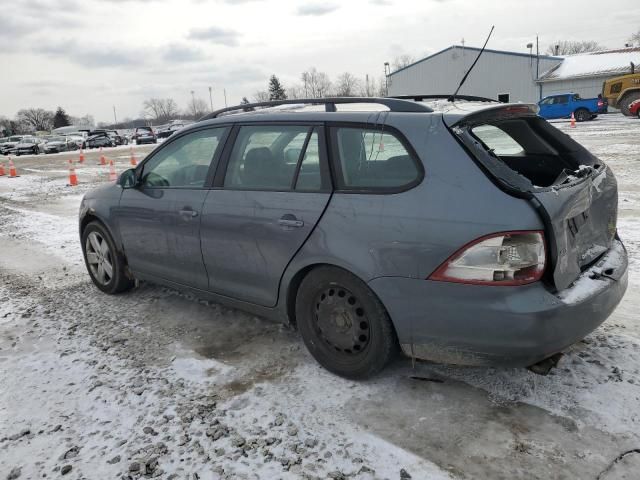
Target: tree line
x=29, y=120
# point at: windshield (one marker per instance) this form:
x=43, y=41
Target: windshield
x=14, y=139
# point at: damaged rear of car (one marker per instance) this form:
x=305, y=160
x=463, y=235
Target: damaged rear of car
x=520, y=295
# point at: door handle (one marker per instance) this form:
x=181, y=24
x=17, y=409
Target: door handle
x=188, y=212
x=289, y=220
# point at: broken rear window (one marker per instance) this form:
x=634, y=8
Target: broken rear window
x=534, y=149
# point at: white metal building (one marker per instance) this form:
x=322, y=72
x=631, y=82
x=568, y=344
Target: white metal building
x=505, y=76
x=585, y=74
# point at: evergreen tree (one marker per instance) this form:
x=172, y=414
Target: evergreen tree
x=61, y=119
x=276, y=90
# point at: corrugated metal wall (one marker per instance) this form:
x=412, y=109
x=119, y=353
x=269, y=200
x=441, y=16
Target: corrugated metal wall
x=585, y=87
x=495, y=73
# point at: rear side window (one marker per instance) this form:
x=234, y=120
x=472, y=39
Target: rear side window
x=497, y=140
x=373, y=159
x=266, y=157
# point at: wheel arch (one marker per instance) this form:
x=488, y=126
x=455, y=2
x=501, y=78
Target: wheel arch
x=92, y=216
x=293, y=285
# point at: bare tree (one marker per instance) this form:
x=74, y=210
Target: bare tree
x=371, y=88
x=402, y=61
x=571, y=47
x=197, y=108
x=346, y=85
x=316, y=84
x=160, y=109
x=635, y=39
x=261, y=96
x=295, y=92
x=36, y=118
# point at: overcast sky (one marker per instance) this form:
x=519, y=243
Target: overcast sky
x=89, y=55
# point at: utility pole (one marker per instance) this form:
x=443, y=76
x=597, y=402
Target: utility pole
x=211, y=98
x=225, y=97
x=387, y=72
x=115, y=119
x=538, y=68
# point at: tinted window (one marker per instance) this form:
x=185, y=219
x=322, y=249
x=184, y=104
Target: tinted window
x=265, y=157
x=309, y=176
x=562, y=99
x=373, y=159
x=184, y=162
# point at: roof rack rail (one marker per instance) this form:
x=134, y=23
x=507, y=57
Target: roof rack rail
x=469, y=98
x=394, y=104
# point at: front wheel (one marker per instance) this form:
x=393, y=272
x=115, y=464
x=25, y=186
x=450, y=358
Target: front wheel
x=343, y=324
x=106, y=266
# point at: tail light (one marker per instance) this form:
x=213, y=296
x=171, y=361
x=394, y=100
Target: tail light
x=600, y=103
x=506, y=258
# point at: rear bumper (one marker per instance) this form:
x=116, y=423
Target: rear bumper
x=508, y=326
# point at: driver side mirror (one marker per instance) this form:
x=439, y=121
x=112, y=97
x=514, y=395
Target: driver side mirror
x=129, y=178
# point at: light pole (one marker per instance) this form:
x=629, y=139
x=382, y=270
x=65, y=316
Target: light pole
x=387, y=72
x=211, y=98
x=224, y=90
x=115, y=119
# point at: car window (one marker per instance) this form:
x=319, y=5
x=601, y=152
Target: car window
x=562, y=99
x=497, y=140
x=184, y=162
x=547, y=101
x=371, y=158
x=265, y=157
x=310, y=176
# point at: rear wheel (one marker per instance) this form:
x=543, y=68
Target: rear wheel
x=106, y=266
x=627, y=100
x=582, y=115
x=343, y=324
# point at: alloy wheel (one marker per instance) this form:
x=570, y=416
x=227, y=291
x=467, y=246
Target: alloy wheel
x=99, y=258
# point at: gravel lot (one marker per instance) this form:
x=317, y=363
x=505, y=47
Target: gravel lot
x=154, y=383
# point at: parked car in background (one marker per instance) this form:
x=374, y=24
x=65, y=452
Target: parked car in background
x=59, y=144
x=114, y=135
x=168, y=130
x=28, y=146
x=10, y=143
x=101, y=139
x=143, y=135
x=334, y=221
x=634, y=108
x=78, y=138
x=562, y=106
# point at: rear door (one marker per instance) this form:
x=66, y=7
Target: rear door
x=575, y=193
x=159, y=221
x=269, y=193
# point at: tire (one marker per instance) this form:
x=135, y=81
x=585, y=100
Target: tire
x=343, y=324
x=638, y=113
x=582, y=115
x=625, y=101
x=97, y=256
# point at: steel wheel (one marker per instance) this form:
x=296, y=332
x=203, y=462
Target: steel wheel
x=99, y=258
x=343, y=324
x=341, y=321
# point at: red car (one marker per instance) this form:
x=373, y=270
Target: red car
x=634, y=108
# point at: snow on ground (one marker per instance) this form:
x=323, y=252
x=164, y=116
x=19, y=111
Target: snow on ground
x=155, y=383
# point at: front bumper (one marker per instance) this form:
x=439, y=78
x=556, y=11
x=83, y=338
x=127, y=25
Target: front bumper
x=508, y=326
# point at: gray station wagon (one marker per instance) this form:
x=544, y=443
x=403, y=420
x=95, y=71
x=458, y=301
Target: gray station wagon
x=472, y=233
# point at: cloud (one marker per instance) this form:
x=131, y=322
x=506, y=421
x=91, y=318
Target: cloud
x=381, y=2
x=316, y=9
x=92, y=56
x=176, y=53
x=215, y=35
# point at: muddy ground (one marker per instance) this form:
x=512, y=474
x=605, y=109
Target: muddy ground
x=154, y=383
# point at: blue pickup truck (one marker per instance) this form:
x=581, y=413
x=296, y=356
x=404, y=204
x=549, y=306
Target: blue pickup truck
x=563, y=105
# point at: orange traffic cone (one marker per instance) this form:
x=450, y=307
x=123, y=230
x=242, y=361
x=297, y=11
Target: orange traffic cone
x=573, y=120
x=81, y=157
x=113, y=176
x=2, y=174
x=103, y=161
x=73, y=178
x=133, y=158
x=12, y=169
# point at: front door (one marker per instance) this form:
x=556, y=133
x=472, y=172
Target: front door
x=159, y=221
x=265, y=205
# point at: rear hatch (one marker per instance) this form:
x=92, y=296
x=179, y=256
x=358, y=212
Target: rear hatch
x=575, y=193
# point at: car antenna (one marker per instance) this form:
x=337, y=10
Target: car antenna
x=452, y=98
